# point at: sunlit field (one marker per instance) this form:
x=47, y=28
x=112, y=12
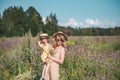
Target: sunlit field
x=87, y=58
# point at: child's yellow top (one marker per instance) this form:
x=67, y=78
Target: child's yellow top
x=47, y=49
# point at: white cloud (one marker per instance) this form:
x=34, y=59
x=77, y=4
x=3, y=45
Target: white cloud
x=96, y=23
x=71, y=22
x=44, y=20
x=89, y=23
x=111, y=24
x=92, y=22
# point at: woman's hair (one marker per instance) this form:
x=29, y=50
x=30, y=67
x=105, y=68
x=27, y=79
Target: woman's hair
x=62, y=38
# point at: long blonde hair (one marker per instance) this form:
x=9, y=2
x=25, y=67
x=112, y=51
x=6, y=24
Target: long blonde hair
x=62, y=38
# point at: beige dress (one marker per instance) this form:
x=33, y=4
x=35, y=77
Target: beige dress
x=53, y=73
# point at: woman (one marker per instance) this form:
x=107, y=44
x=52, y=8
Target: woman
x=58, y=57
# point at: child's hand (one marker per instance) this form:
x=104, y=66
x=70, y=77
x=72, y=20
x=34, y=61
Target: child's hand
x=47, y=62
x=39, y=43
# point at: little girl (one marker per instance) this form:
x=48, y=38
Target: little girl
x=47, y=49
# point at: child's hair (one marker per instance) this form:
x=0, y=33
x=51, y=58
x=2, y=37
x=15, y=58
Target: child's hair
x=62, y=39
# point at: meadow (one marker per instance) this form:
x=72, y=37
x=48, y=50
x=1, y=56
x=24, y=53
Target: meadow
x=87, y=58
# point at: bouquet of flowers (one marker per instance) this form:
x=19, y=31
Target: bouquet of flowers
x=52, y=51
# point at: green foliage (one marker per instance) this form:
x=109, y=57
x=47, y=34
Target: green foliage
x=13, y=21
x=51, y=24
x=70, y=43
x=16, y=22
x=20, y=62
x=34, y=21
x=97, y=61
x=94, y=58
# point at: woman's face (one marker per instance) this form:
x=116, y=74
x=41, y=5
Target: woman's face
x=58, y=41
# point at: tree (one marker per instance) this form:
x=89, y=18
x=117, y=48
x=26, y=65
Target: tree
x=13, y=21
x=51, y=24
x=16, y=22
x=34, y=21
x=1, y=30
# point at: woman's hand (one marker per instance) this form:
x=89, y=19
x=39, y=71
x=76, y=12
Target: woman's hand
x=49, y=56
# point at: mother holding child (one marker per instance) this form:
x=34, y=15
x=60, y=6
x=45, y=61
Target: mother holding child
x=52, y=56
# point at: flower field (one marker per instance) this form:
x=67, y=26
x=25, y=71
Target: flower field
x=87, y=58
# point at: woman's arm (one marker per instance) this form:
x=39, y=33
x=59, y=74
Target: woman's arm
x=61, y=59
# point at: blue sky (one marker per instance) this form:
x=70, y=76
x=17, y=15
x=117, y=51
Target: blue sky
x=82, y=13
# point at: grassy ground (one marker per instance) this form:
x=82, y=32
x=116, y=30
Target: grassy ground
x=87, y=58
x=92, y=58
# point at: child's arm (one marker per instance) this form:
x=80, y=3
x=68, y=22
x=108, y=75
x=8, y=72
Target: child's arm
x=40, y=45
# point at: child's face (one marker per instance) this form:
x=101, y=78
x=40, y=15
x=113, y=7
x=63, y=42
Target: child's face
x=43, y=40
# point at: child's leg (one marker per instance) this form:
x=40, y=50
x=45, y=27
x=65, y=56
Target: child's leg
x=43, y=72
x=46, y=70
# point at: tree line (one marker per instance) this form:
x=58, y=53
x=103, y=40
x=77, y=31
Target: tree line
x=16, y=22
